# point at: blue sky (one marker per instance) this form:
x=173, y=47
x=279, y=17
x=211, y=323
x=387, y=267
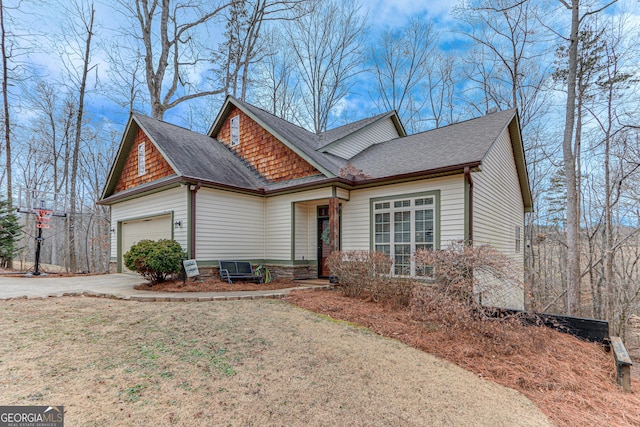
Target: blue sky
x=382, y=15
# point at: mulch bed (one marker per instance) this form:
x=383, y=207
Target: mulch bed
x=571, y=381
x=213, y=284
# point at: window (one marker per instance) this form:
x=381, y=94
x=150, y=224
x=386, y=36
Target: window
x=401, y=227
x=235, y=130
x=518, y=240
x=141, y=159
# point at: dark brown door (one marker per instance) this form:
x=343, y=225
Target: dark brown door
x=324, y=248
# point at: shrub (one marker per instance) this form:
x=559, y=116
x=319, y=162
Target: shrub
x=155, y=260
x=357, y=271
x=368, y=274
x=460, y=271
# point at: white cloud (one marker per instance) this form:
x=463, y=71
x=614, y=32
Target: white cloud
x=394, y=13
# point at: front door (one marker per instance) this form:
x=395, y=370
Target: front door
x=324, y=248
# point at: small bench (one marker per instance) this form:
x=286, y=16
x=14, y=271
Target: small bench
x=237, y=270
x=623, y=363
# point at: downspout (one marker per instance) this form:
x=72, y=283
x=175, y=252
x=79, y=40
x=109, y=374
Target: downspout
x=467, y=175
x=193, y=188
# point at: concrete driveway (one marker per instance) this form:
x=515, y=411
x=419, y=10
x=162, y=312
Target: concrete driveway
x=119, y=286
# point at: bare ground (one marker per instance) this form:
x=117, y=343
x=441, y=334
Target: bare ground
x=263, y=362
x=571, y=381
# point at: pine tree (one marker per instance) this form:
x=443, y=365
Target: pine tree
x=10, y=230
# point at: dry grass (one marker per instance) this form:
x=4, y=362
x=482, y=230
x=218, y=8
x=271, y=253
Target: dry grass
x=261, y=362
x=569, y=380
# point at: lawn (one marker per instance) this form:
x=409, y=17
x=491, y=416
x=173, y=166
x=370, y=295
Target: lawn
x=261, y=362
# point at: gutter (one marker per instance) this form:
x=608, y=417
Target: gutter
x=346, y=183
x=467, y=175
x=193, y=189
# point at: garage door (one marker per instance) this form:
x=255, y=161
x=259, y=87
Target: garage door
x=155, y=228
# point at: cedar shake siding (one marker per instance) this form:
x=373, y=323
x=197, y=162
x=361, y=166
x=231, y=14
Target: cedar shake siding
x=273, y=160
x=156, y=166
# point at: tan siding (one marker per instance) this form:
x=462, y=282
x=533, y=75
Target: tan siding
x=303, y=232
x=229, y=225
x=383, y=130
x=356, y=214
x=169, y=201
x=278, y=220
x=498, y=206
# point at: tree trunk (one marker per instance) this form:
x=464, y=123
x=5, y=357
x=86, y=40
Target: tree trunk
x=76, y=147
x=573, y=219
x=5, y=101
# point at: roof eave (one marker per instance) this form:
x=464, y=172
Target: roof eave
x=141, y=190
x=521, y=162
x=390, y=115
x=159, y=148
x=118, y=163
x=371, y=182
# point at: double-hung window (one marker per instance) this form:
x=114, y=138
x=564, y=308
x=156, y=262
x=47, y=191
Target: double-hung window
x=404, y=225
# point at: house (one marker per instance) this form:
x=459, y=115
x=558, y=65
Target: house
x=259, y=188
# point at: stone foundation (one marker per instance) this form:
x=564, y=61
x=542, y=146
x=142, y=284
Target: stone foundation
x=277, y=271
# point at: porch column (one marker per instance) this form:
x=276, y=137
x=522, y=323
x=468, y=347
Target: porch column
x=334, y=224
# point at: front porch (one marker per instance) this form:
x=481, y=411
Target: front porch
x=316, y=234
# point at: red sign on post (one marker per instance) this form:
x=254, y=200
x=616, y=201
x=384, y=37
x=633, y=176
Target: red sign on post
x=43, y=216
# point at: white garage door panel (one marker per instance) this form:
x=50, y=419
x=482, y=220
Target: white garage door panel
x=155, y=228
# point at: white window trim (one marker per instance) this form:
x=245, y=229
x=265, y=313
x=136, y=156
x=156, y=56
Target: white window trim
x=141, y=159
x=435, y=207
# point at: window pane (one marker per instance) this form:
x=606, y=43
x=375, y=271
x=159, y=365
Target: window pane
x=424, y=226
x=402, y=227
x=382, y=228
x=402, y=258
x=402, y=204
x=385, y=249
x=384, y=205
x=426, y=201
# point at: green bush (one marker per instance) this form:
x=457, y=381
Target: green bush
x=155, y=260
x=10, y=231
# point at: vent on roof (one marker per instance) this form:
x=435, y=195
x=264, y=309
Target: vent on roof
x=492, y=110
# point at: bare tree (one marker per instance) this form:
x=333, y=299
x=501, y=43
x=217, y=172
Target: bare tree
x=168, y=32
x=244, y=44
x=276, y=89
x=402, y=60
x=327, y=46
x=569, y=154
x=5, y=103
x=506, y=65
x=81, y=36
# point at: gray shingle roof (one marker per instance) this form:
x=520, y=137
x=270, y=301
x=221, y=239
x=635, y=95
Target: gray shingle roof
x=201, y=157
x=456, y=144
x=198, y=156
x=335, y=134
